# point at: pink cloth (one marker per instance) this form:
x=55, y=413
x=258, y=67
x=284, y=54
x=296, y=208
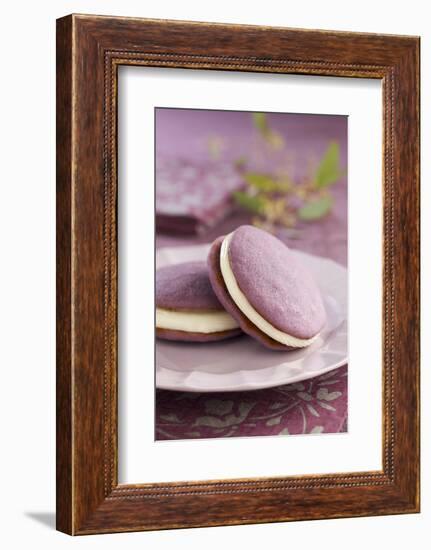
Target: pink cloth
x=192, y=196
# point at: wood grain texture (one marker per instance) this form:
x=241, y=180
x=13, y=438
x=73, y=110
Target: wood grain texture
x=64, y=497
x=90, y=49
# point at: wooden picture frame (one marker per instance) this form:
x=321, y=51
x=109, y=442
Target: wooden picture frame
x=89, y=51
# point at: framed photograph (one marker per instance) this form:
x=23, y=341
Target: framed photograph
x=237, y=274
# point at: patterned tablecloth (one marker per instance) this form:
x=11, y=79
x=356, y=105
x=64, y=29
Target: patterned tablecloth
x=313, y=406
x=318, y=405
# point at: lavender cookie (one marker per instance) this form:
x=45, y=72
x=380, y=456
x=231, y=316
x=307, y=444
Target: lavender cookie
x=261, y=283
x=187, y=308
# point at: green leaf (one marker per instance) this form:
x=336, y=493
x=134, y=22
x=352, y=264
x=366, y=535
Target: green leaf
x=266, y=183
x=261, y=122
x=252, y=203
x=261, y=181
x=328, y=171
x=315, y=209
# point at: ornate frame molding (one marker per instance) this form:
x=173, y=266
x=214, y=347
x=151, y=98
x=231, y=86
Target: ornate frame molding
x=90, y=49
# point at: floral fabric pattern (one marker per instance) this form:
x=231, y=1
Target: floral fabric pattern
x=314, y=406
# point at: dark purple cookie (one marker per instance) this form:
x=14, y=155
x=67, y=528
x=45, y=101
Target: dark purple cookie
x=185, y=336
x=186, y=288
x=274, y=282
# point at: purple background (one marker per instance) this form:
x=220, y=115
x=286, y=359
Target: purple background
x=184, y=133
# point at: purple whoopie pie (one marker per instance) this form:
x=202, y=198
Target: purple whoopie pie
x=264, y=286
x=187, y=308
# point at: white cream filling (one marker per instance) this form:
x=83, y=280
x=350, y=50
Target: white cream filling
x=193, y=321
x=244, y=305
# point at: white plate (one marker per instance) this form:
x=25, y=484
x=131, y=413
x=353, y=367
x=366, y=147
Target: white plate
x=244, y=364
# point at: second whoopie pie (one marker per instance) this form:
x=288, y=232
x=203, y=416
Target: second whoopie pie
x=187, y=308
